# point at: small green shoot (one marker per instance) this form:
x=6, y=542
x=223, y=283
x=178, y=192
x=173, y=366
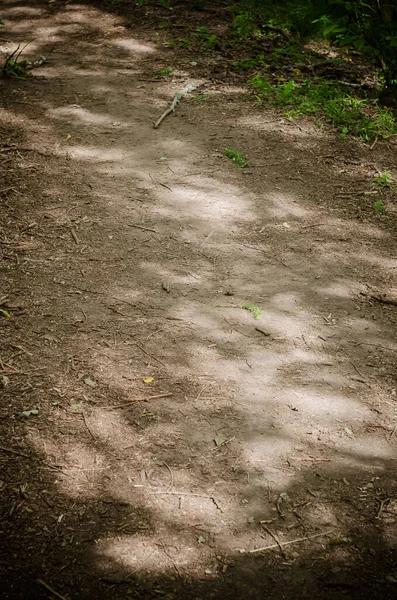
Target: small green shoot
x=5, y=313
x=201, y=97
x=246, y=64
x=236, y=157
x=384, y=179
x=253, y=309
x=379, y=206
x=164, y=71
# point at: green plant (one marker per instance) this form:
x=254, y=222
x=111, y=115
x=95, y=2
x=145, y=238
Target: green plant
x=253, y=309
x=384, y=179
x=201, y=97
x=244, y=24
x=236, y=157
x=379, y=206
x=332, y=102
x=13, y=68
x=184, y=43
x=246, y=64
x=210, y=39
x=164, y=71
x=212, y=42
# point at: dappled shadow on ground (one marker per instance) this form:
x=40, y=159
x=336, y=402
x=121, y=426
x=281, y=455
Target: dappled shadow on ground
x=177, y=433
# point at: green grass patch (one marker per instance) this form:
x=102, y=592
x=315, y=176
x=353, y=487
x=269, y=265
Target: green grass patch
x=384, y=179
x=332, y=102
x=379, y=206
x=254, y=310
x=164, y=71
x=202, y=97
x=236, y=157
x=249, y=63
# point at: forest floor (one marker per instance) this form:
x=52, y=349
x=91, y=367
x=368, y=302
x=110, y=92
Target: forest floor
x=209, y=352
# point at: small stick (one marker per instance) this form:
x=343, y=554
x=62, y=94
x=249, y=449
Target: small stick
x=222, y=444
x=74, y=235
x=140, y=566
x=313, y=225
x=279, y=30
x=165, y=395
x=172, y=476
x=357, y=371
x=298, y=458
x=7, y=190
x=382, y=503
x=9, y=450
x=150, y=355
x=273, y=535
x=170, y=557
x=372, y=146
x=88, y=428
x=181, y=494
x=309, y=537
x=50, y=589
x=143, y=228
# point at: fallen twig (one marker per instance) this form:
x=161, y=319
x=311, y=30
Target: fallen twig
x=141, y=227
x=382, y=503
x=125, y=404
x=313, y=225
x=50, y=589
x=279, y=30
x=88, y=427
x=223, y=444
x=150, y=355
x=311, y=459
x=8, y=189
x=134, y=571
x=171, y=475
x=177, y=98
x=309, y=537
x=357, y=371
x=74, y=235
x=273, y=535
x=10, y=451
x=384, y=299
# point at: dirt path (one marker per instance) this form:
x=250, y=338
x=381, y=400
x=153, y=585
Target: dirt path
x=175, y=432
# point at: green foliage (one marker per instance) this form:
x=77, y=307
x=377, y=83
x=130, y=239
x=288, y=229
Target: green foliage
x=164, y=71
x=289, y=51
x=379, y=206
x=210, y=39
x=253, y=309
x=369, y=26
x=246, y=64
x=14, y=69
x=332, y=102
x=384, y=179
x=244, y=25
x=236, y=157
x=201, y=97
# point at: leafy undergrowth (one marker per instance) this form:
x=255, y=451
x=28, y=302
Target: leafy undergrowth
x=332, y=102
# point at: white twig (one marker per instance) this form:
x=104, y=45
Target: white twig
x=309, y=537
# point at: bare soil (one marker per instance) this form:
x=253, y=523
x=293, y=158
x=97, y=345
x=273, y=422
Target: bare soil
x=175, y=432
